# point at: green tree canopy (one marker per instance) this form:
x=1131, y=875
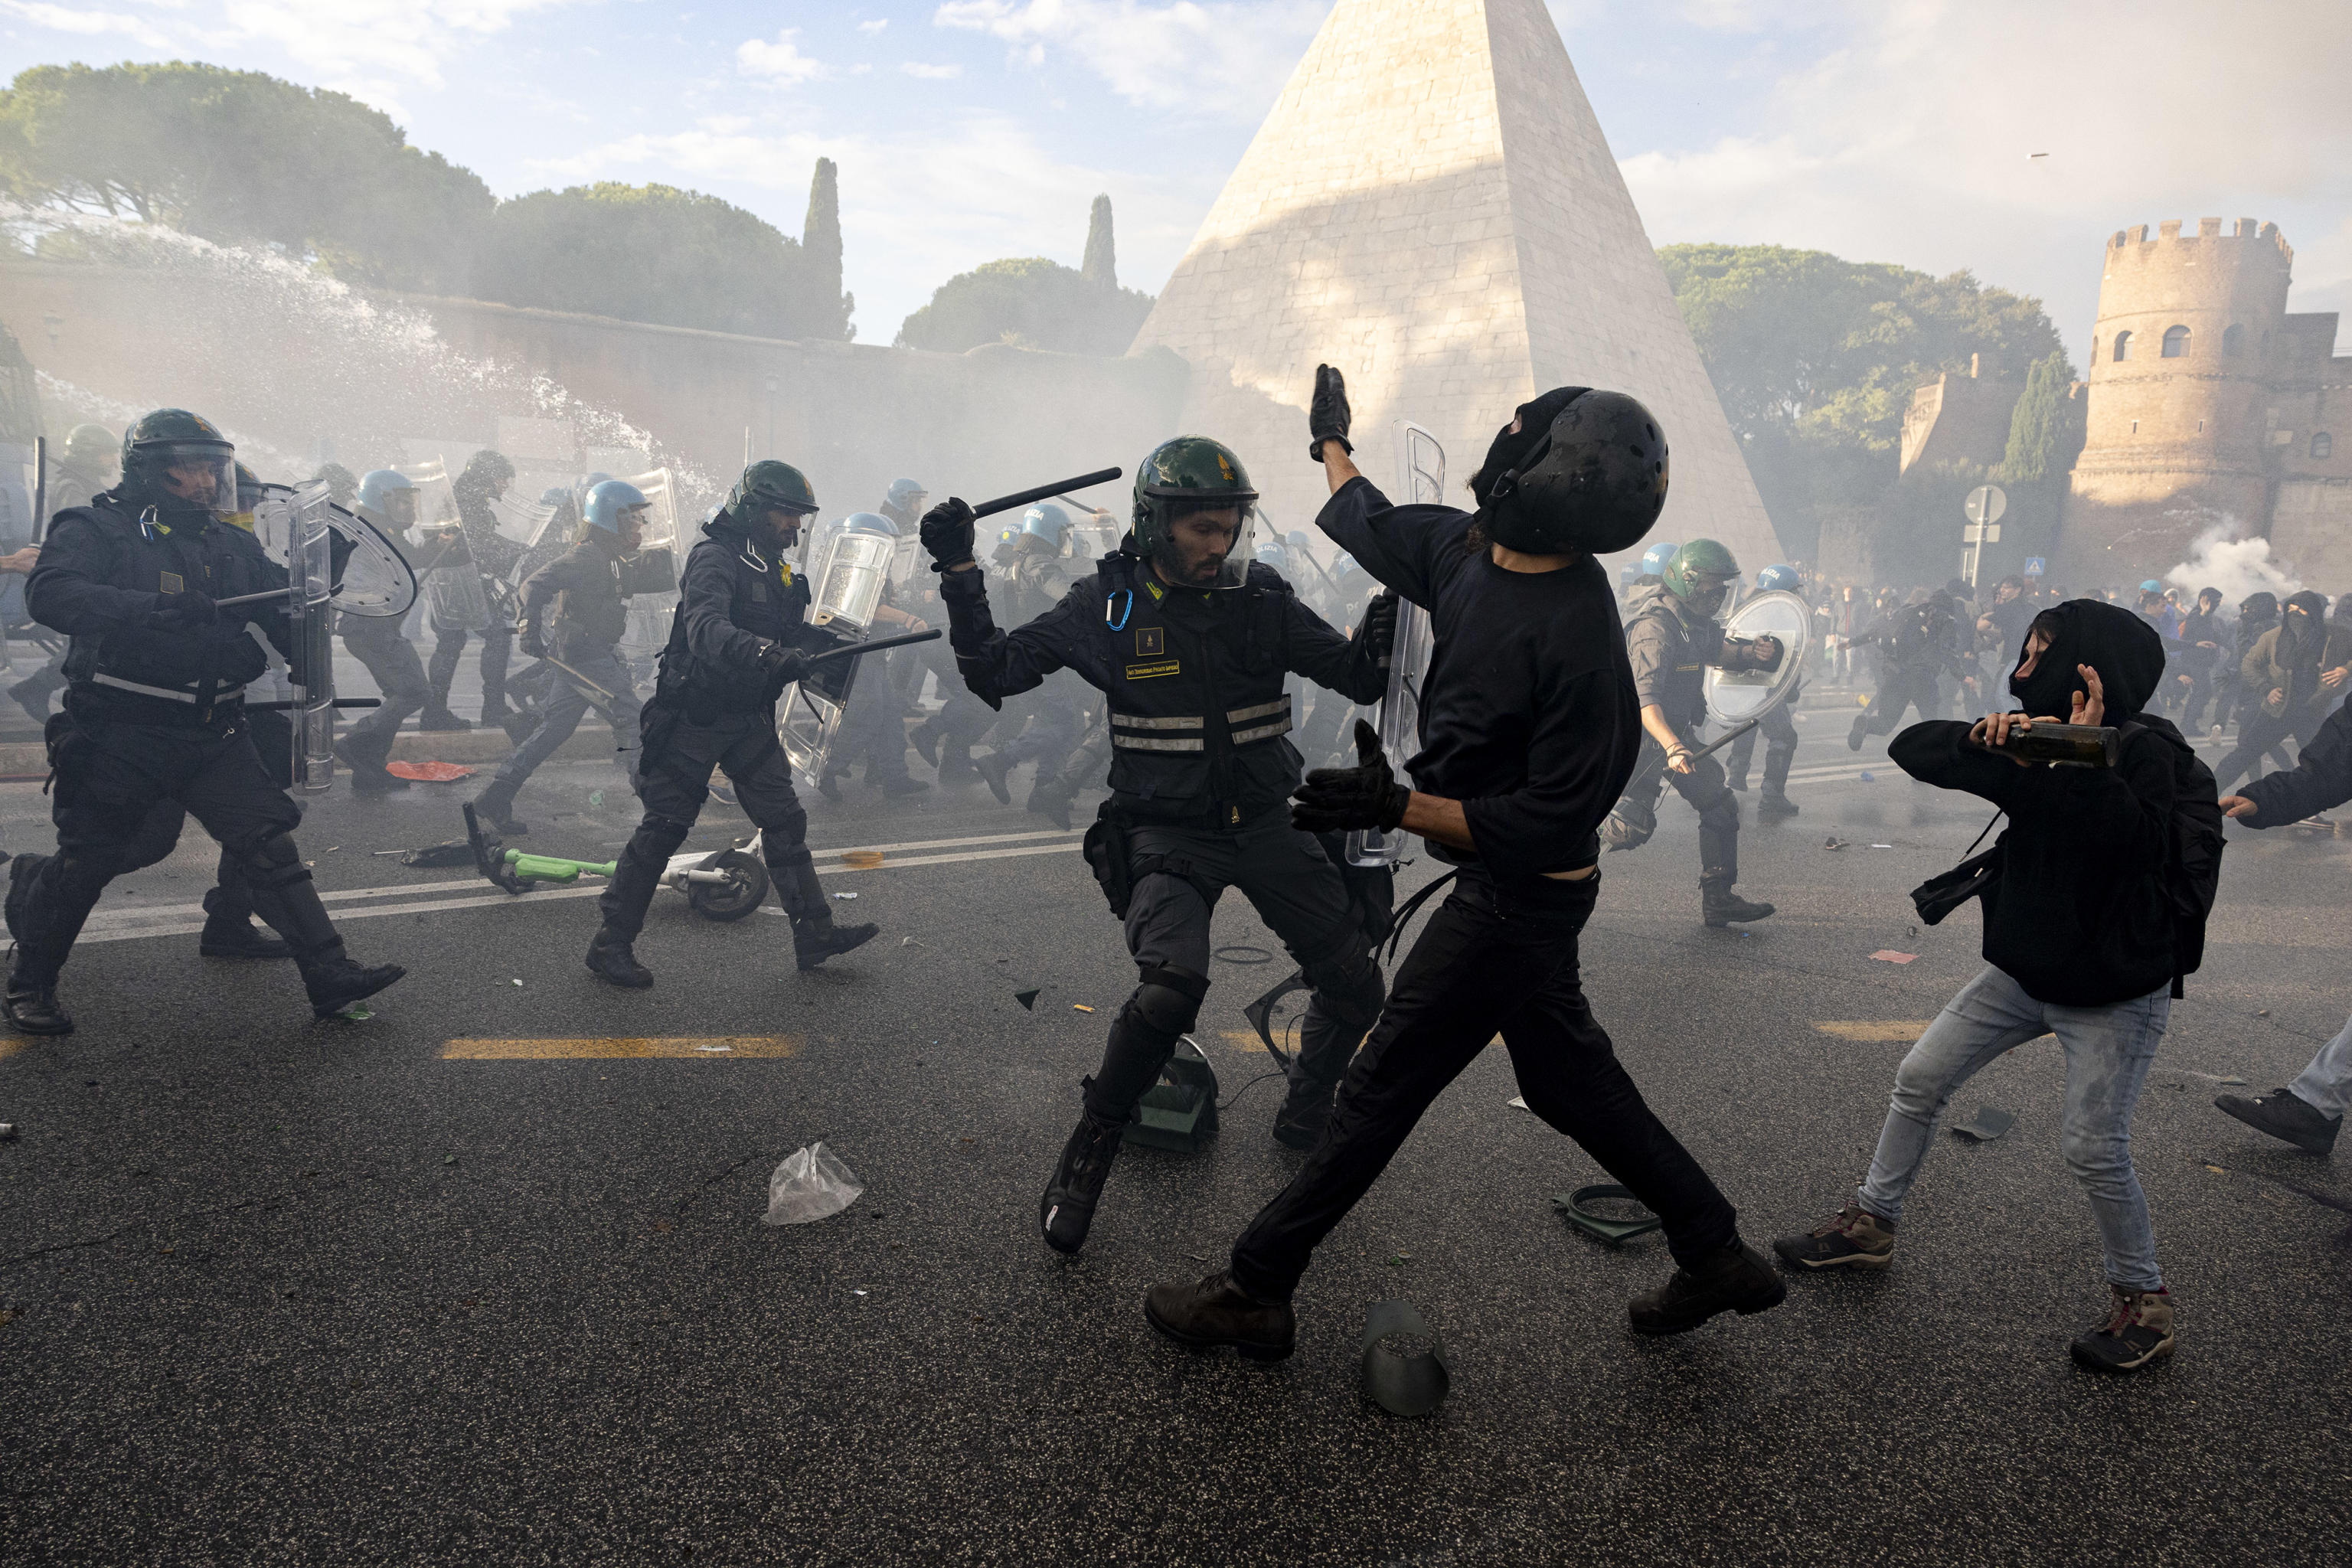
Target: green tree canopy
x=2044, y=441
x=1030, y=302
x=239, y=157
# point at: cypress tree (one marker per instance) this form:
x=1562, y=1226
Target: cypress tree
x=1100, y=266
x=821, y=253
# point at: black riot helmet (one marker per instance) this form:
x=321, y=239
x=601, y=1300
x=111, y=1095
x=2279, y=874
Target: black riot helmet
x=1586, y=471
x=768, y=486
x=177, y=462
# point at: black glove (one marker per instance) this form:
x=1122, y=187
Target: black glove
x=782, y=665
x=947, y=531
x=1327, y=417
x=188, y=611
x=339, y=546
x=1340, y=799
x=1380, y=625
x=534, y=643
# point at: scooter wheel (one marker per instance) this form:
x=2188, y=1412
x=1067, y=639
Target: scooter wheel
x=746, y=887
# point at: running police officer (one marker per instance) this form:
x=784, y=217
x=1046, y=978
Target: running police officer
x=1529, y=726
x=579, y=591
x=1779, y=731
x=387, y=498
x=485, y=479
x=736, y=641
x=1190, y=647
x=156, y=710
x=1671, y=642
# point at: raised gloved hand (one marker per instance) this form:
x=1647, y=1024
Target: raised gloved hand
x=782, y=665
x=1340, y=799
x=189, y=610
x=533, y=641
x=1327, y=417
x=1380, y=624
x=946, y=531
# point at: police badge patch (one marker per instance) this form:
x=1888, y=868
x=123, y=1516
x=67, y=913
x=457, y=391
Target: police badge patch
x=1150, y=641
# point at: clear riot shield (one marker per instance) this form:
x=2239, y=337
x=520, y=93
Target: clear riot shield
x=308, y=531
x=650, y=577
x=1735, y=696
x=455, y=599
x=521, y=521
x=1421, y=482
x=848, y=591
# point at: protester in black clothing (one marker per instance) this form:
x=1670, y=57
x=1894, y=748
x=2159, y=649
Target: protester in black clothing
x=2195, y=658
x=2257, y=613
x=1529, y=726
x=2294, y=674
x=1915, y=646
x=2001, y=628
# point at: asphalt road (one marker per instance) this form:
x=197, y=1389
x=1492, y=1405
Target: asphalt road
x=284, y=1292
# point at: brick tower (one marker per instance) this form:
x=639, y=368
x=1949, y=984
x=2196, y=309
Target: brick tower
x=1432, y=208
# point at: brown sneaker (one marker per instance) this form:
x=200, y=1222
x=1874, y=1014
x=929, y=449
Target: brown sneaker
x=1853, y=1235
x=1217, y=1312
x=2139, y=1331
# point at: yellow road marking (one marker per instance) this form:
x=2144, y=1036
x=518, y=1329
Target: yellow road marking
x=11, y=1043
x=1907, y=1030
x=705, y=1047
x=1243, y=1040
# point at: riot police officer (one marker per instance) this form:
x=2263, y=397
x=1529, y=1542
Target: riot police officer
x=737, y=641
x=387, y=498
x=580, y=592
x=1916, y=643
x=1671, y=641
x=873, y=727
x=1189, y=648
x=485, y=479
x=1779, y=730
x=1033, y=580
x=86, y=467
x=155, y=711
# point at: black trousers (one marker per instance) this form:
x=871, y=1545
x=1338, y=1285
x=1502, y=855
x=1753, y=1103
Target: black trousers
x=1898, y=689
x=112, y=779
x=674, y=782
x=1635, y=816
x=449, y=646
x=392, y=660
x=1780, y=732
x=1489, y=962
x=2258, y=732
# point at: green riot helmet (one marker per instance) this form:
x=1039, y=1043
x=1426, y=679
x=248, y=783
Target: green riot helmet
x=91, y=449
x=769, y=501
x=177, y=462
x=1700, y=573
x=1182, y=479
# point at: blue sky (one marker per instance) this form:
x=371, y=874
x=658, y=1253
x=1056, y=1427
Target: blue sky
x=1893, y=130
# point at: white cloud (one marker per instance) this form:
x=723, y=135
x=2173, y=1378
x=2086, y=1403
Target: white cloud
x=1224, y=60
x=59, y=18
x=368, y=48
x=876, y=26
x=780, y=61
x=916, y=69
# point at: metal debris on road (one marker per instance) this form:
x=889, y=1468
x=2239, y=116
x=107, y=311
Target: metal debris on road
x=1408, y=1377
x=844, y=895
x=1986, y=1125
x=1241, y=952
x=1608, y=1213
x=1028, y=999
x=810, y=1184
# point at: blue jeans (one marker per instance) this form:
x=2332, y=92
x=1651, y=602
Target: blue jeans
x=2327, y=1083
x=2108, y=1051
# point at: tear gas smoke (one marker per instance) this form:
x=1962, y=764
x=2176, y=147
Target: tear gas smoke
x=2219, y=558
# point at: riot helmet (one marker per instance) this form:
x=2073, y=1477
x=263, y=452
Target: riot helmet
x=1048, y=523
x=487, y=472
x=391, y=495
x=1181, y=481
x=249, y=497
x=1654, y=559
x=614, y=507
x=768, y=502
x=1585, y=471
x=91, y=448
x=906, y=496
x=869, y=522
x=1700, y=573
x=174, y=461
x=1777, y=578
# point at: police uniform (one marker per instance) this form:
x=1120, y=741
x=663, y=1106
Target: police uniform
x=714, y=704
x=378, y=644
x=494, y=556
x=1048, y=720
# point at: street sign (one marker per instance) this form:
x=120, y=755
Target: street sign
x=2036, y=565
x=1981, y=533
x=1985, y=504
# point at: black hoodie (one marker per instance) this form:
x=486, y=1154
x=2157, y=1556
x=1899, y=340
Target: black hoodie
x=2079, y=918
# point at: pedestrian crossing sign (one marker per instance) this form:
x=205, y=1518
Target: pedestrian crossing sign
x=2036, y=565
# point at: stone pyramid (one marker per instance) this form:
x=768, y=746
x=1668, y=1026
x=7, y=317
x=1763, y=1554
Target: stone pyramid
x=1432, y=208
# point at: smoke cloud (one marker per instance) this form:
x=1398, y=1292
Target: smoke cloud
x=2219, y=558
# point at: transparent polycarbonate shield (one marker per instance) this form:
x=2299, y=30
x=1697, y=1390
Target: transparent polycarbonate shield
x=1421, y=482
x=809, y=714
x=849, y=590
x=436, y=499
x=455, y=597
x=302, y=525
x=1735, y=696
x=520, y=520
x=1094, y=539
x=661, y=490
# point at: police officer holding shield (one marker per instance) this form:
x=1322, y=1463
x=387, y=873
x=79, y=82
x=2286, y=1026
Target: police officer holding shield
x=737, y=641
x=156, y=710
x=1190, y=647
x=1779, y=730
x=1529, y=726
x=387, y=498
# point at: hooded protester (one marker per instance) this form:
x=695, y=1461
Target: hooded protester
x=2194, y=656
x=2257, y=613
x=2294, y=674
x=2094, y=912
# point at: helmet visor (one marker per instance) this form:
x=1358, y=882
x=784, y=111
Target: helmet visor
x=193, y=476
x=1205, y=542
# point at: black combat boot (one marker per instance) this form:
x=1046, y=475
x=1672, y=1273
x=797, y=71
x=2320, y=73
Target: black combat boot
x=1214, y=1311
x=925, y=738
x=495, y=805
x=1051, y=800
x=1737, y=1278
x=369, y=776
x=236, y=936
x=438, y=717
x=905, y=784
x=1773, y=805
x=815, y=941
x=1736, y=780
x=335, y=981
x=1066, y=1211
x=33, y=1009
x=1853, y=737
x=1722, y=907
x=994, y=769
x=332, y=979
x=827, y=784
x=611, y=960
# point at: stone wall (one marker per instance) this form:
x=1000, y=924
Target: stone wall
x=1957, y=420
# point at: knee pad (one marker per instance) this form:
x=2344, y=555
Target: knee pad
x=274, y=862
x=1169, y=1000
x=1350, y=985
x=782, y=853
x=660, y=835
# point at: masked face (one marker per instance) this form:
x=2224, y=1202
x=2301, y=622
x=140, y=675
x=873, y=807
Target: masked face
x=1195, y=551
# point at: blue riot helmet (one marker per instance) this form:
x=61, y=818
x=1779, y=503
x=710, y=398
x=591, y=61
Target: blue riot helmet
x=554, y=495
x=1275, y=554
x=1654, y=559
x=389, y=495
x=581, y=487
x=1776, y=578
x=608, y=501
x=869, y=522
x=1297, y=539
x=907, y=495
x=1046, y=522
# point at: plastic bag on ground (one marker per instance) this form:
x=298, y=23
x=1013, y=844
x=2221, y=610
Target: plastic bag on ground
x=812, y=1183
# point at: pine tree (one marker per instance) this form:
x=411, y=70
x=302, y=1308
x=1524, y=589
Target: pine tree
x=1100, y=266
x=821, y=253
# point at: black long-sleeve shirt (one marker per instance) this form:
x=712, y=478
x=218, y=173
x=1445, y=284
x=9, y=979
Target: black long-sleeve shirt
x=593, y=614
x=2322, y=778
x=1529, y=715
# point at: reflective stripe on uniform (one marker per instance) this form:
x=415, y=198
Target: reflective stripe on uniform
x=1140, y=743
x=1263, y=710
x=1281, y=726
x=1136, y=722
x=168, y=693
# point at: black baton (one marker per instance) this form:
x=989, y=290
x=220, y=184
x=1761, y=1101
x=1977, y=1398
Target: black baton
x=877, y=645
x=1043, y=492
x=1719, y=743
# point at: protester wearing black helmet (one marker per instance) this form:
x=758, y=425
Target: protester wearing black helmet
x=1529, y=727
